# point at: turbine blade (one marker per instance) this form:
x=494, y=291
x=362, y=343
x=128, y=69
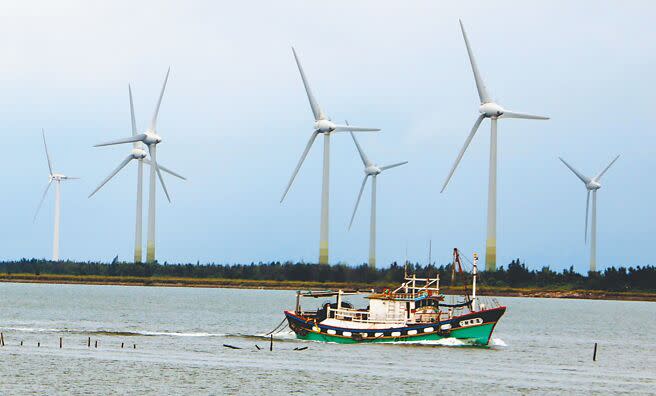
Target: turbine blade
x=70, y=178
x=386, y=167
x=598, y=177
x=300, y=162
x=357, y=202
x=43, y=197
x=349, y=128
x=136, y=138
x=512, y=114
x=583, y=178
x=170, y=172
x=43, y=133
x=463, y=149
x=153, y=122
x=134, y=121
x=152, y=149
x=587, y=210
x=480, y=85
x=114, y=172
x=316, y=110
x=363, y=156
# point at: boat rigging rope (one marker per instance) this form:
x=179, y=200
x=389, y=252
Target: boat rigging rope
x=278, y=328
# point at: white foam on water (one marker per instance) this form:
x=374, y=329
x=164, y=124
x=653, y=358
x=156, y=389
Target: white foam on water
x=179, y=334
x=34, y=330
x=450, y=342
x=498, y=342
x=116, y=332
x=282, y=335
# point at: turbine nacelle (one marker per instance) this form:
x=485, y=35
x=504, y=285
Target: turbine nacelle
x=151, y=138
x=56, y=177
x=490, y=110
x=138, y=153
x=593, y=185
x=324, y=126
x=372, y=170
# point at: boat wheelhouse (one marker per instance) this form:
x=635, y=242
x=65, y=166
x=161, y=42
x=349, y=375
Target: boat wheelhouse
x=415, y=311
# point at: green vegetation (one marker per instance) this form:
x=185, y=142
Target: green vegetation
x=516, y=276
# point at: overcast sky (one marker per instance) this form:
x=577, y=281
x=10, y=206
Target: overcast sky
x=235, y=120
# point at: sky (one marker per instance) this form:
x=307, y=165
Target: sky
x=235, y=119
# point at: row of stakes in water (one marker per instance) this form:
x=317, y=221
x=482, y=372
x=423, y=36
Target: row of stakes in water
x=61, y=342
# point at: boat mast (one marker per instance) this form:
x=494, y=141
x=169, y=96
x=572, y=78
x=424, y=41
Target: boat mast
x=474, y=274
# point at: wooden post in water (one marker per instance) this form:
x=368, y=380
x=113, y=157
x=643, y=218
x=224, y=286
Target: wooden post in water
x=121, y=345
x=38, y=344
x=594, y=353
x=134, y=346
x=60, y=342
x=96, y=344
x=271, y=344
x=2, y=339
x=89, y=342
x=21, y=343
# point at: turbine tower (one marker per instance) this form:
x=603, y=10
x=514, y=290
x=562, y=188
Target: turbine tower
x=57, y=178
x=492, y=110
x=322, y=125
x=139, y=154
x=151, y=139
x=373, y=170
x=592, y=185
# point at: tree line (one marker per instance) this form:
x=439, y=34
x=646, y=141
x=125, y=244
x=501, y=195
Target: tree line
x=515, y=275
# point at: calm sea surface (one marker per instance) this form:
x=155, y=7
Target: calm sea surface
x=541, y=346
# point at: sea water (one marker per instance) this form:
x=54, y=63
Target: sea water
x=541, y=346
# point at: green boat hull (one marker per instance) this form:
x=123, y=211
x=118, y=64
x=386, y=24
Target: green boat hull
x=475, y=335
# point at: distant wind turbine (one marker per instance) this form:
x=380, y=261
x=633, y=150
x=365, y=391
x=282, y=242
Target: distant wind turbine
x=592, y=185
x=322, y=125
x=493, y=111
x=151, y=139
x=373, y=170
x=139, y=154
x=57, y=178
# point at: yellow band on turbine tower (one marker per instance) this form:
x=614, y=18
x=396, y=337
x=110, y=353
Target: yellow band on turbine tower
x=150, y=253
x=323, y=252
x=491, y=255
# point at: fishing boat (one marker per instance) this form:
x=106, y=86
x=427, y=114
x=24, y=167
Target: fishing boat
x=415, y=311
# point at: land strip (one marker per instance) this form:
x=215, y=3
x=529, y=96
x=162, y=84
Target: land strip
x=546, y=292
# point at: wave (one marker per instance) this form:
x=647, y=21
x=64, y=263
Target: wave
x=498, y=342
x=123, y=333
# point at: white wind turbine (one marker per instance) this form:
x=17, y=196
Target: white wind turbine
x=373, y=170
x=139, y=154
x=592, y=185
x=57, y=178
x=151, y=139
x=493, y=111
x=322, y=125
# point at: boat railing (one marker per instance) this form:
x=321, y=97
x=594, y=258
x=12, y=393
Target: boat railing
x=359, y=316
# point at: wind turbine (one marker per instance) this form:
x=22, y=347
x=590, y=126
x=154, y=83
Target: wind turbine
x=373, y=170
x=592, y=185
x=322, y=125
x=492, y=110
x=139, y=154
x=57, y=178
x=151, y=139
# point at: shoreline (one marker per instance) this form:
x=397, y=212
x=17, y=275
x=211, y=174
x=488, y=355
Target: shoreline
x=301, y=285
